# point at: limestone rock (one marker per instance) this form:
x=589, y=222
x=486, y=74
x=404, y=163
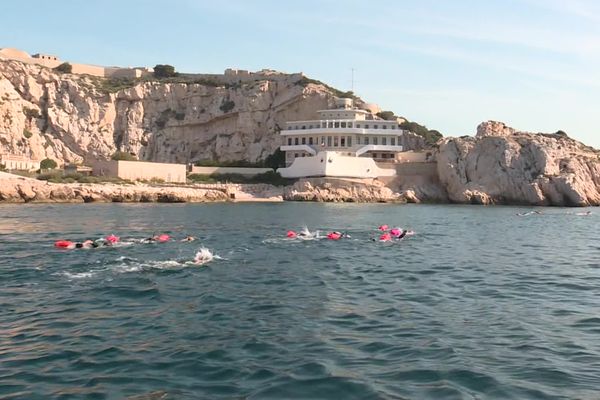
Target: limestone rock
x=504, y=166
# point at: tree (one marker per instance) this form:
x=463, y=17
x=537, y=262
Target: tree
x=387, y=115
x=164, y=71
x=64, y=68
x=430, y=136
x=275, y=160
x=123, y=156
x=48, y=163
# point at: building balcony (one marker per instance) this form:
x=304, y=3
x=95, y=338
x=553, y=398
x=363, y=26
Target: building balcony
x=378, y=148
x=300, y=147
x=341, y=131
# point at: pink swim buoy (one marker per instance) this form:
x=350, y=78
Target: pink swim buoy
x=112, y=239
x=63, y=244
x=395, y=232
x=291, y=234
x=386, y=237
x=334, y=236
x=383, y=228
x=163, y=238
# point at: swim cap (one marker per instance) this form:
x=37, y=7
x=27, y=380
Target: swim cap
x=163, y=238
x=383, y=228
x=396, y=232
x=112, y=238
x=291, y=234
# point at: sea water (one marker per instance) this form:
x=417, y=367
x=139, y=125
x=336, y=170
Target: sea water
x=480, y=304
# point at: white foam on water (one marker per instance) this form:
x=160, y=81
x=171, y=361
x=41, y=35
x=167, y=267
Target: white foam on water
x=78, y=275
x=203, y=256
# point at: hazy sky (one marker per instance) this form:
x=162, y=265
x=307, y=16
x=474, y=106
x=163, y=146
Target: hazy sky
x=534, y=64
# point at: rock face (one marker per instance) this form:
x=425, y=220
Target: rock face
x=74, y=117
x=504, y=166
x=334, y=190
x=23, y=190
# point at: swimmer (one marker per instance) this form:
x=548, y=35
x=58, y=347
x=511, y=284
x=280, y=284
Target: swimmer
x=335, y=235
x=203, y=256
x=291, y=235
x=157, y=238
x=188, y=239
x=383, y=228
x=536, y=212
x=584, y=214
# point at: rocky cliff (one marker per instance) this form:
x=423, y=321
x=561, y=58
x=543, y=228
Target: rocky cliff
x=501, y=165
x=74, y=117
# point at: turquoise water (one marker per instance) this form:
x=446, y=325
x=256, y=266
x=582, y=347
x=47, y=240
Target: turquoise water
x=480, y=304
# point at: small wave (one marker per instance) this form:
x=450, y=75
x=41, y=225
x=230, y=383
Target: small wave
x=78, y=275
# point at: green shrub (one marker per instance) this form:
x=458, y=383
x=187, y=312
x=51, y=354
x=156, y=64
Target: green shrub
x=164, y=71
x=31, y=113
x=430, y=136
x=227, y=106
x=123, y=156
x=64, y=68
x=48, y=163
x=387, y=115
x=27, y=134
x=270, y=177
x=2, y=167
x=275, y=160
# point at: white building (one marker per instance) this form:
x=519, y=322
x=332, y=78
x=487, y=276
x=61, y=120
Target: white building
x=19, y=162
x=341, y=143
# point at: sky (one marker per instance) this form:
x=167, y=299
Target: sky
x=447, y=64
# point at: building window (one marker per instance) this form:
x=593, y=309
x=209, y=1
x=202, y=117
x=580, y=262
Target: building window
x=375, y=140
x=357, y=139
x=303, y=126
x=335, y=141
x=289, y=128
x=328, y=141
x=296, y=141
x=310, y=141
x=393, y=141
x=366, y=140
x=343, y=141
x=330, y=124
x=366, y=126
x=349, y=124
x=343, y=124
x=289, y=141
x=336, y=125
x=358, y=125
x=384, y=141
x=384, y=126
x=295, y=155
x=303, y=140
x=375, y=126
x=349, y=141
x=393, y=126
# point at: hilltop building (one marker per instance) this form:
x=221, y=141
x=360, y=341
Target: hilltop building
x=343, y=142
